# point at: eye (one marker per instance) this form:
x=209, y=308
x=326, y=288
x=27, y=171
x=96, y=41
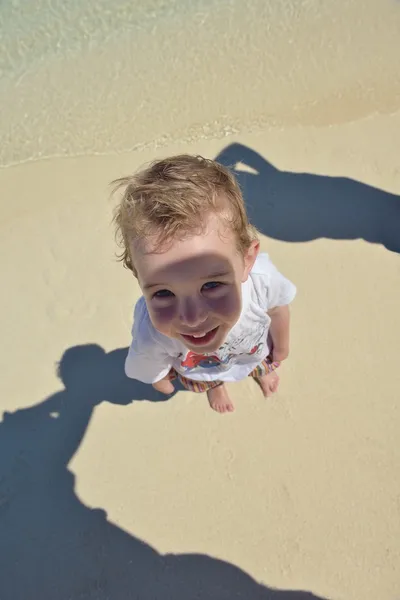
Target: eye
x=163, y=294
x=211, y=285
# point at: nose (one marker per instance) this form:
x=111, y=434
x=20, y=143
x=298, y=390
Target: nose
x=193, y=311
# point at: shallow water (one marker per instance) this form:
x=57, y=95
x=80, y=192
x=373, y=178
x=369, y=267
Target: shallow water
x=110, y=75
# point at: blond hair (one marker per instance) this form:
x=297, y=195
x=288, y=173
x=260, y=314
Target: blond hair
x=171, y=197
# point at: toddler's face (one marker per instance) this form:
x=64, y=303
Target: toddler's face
x=193, y=286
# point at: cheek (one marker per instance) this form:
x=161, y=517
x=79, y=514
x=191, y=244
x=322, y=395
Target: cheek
x=162, y=317
x=227, y=305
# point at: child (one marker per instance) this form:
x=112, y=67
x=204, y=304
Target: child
x=213, y=309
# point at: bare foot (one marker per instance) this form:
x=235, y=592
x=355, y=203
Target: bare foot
x=269, y=383
x=219, y=399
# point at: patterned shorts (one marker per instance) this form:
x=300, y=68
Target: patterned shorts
x=266, y=366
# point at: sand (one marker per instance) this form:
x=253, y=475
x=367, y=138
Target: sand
x=108, y=492
x=112, y=75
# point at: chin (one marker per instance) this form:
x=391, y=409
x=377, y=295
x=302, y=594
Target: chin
x=214, y=345
x=203, y=349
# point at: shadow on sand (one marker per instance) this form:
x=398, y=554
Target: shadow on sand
x=52, y=546
x=299, y=207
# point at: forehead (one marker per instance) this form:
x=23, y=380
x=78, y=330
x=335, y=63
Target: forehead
x=198, y=256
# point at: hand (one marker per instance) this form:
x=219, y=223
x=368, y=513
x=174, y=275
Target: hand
x=164, y=386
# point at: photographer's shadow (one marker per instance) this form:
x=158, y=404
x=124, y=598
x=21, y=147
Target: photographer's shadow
x=300, y=207
x=89, y=370
x=52, y=546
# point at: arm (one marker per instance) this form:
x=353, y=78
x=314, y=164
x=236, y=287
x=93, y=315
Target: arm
x=164, y=385
x=148, y=360
x=279, y=330
x=147, y=365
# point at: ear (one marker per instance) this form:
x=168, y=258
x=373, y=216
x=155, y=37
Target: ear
x=250, y=258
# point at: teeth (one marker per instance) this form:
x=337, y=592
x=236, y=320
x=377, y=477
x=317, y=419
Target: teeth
x=198, y=335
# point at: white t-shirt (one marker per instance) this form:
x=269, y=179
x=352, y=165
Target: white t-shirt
x=152, y=354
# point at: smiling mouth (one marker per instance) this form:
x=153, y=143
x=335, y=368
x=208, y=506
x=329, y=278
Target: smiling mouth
x=200, y=339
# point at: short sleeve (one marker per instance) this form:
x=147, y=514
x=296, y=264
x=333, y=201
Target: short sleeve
x=273, y=288
x=148, y=360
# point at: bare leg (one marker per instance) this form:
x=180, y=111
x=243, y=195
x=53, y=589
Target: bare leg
x=219, y=399
x=269, y=383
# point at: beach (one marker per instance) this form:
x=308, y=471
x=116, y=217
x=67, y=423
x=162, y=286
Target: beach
x=107, y=490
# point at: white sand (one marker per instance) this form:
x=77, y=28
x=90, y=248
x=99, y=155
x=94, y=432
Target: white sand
x=299, y=493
